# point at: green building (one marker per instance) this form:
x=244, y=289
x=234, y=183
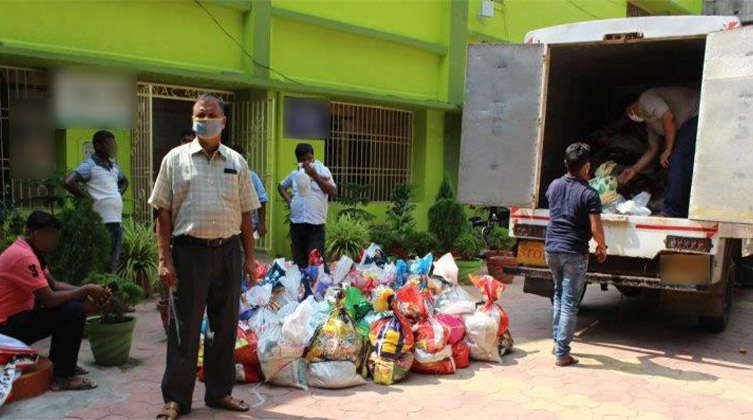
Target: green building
x=389, y=73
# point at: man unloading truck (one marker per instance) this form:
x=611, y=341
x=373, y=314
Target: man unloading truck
x=671, y=112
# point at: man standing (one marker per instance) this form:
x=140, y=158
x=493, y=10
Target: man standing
x=33, y=306
x=260, y=216
x=575, y=216
x=204, y=201
x=671, y=112
x=105, y=185
x=312, y=185
x=187, y=137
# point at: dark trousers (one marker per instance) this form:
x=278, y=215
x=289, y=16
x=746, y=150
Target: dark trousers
x=65, y=323
x=116, y=232
x=306, y=238
x=677, y=197
x=208, y=277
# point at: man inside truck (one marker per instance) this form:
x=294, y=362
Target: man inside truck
x=671, y=112
x=575, y=217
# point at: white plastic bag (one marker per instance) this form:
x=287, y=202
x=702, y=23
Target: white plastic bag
x=390, y=274
x=292, y=282
x=637, y=206
x=342, y=269
x=481, y=335
x=291, y=375
x=302, y=324
x=454, y=301
x=259, y=296
x=284, y=312
x=423, y=356
x=276, y=352
x=333, y=375
x=302, y=181
x=446, y=268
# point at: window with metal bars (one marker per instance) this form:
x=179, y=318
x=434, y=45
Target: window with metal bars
x=370, y=145
x=635, y=11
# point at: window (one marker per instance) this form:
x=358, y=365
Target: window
x=635, y=11
x=370, y=146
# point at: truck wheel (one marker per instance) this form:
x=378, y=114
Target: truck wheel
x=717, y=324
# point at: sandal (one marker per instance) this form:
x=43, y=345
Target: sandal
x=72, y=383
x=81, y=371
x=228, y=403
x=170, y=411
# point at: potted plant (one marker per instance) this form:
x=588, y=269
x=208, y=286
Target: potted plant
x=499, y=256
x=400, y=215
x=353, y=195
x=468, y=247
x=384, y=235
x=139, y=256
x=447, y=218
x=111, y=335
x=421, y=243
x=346, y=236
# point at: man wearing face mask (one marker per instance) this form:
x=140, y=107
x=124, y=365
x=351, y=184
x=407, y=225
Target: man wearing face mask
x=671, y=112
x=204, y=200
x=575, y=217
x=105, y=185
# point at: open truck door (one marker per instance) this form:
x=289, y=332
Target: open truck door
x=501, y=141
x=723, y=173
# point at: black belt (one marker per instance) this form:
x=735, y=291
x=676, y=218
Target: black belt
x=209, y=243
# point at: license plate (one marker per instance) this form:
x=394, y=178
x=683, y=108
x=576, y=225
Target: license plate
x=531, y=253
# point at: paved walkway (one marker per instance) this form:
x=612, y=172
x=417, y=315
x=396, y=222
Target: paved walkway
x=648, y=366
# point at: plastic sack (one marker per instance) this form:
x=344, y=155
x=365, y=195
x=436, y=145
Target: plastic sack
x=364, y=325
x=392, y=336
x=455, y=301
x=260, y=270
x=461, y=354
x=291, y=282
x=337, y=338
x=454, y=325
x=356, y=304
x=423, y=356
x=491, y=290
x=246, y=346
x=291, y=375
x=275, y=272
x=605, y=169
x=367, y=281
x=342, y=268
x=430, y=335
x=374, y=255
x=301, y=325
x=390, y=274
x=421, y=266
x=401, y=273
x=387, y=371
x=315, y=258
x=286, y=311
x=445, y=366
x=637, y=206
x=275, y=351
x=446, y=268
x=323, y=283
x=333, y=375
x=481, y=335
x=411, y=303
x=258, y=295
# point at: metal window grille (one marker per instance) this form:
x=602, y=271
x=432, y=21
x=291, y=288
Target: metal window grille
x=18, y=83
x=370, y=145
x=635, y=11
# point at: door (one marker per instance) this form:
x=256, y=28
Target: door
x=501, y=139
x=723, y=172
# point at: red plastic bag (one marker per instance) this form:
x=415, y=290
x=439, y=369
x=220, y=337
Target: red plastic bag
x=491, y=290
x=461, y=354
x=260, y=270
x=411, y=303
x=442, y=367
x=430, y=335
x=246, y=345
x=454, y=325
x=315, y=258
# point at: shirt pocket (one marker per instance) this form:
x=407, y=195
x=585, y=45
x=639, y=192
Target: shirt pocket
x=229, y=183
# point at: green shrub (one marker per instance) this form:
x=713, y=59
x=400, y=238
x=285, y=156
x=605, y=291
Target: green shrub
x=445, y=190
x=346, y=236
x=447, y=221
x=85, y=244
x=139, y=257
x=384, y=235
x=353, y=195
x=124, y=295
x=400, y=212
x=499, y=239
x=421, y=243
x=468, y=246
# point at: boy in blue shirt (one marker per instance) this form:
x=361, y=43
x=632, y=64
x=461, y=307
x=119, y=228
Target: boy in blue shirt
x=260, y=215
x=575, y=217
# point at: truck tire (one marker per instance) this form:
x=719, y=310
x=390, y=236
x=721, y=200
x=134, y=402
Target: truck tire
x=717, y=324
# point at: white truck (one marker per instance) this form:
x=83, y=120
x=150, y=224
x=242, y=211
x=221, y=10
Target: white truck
x=525, y=103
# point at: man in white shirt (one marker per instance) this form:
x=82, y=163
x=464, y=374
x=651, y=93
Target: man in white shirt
x=671, y=112
x=105, y=185
x=312, y=185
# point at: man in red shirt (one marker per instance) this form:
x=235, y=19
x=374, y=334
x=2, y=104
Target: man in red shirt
x=34, y=306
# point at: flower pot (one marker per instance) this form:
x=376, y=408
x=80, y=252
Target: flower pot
x=111, y=343
x=162, y=307
x=143, y=280
x=496, y=266
x=493, y=253
x=34, y=381
x=466, y=268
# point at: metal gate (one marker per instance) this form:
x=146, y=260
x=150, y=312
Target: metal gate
x=142, y=140
x=250, y=127
x=18, y=83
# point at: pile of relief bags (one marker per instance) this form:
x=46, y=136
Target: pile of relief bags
x=374, y=318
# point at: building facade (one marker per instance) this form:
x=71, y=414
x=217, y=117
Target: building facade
x=388, y=76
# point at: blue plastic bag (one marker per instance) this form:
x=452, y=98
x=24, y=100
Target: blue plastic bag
x=421, y=266
x=402, y=272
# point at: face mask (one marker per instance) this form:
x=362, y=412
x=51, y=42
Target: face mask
x=207, y=128
x=636, y=118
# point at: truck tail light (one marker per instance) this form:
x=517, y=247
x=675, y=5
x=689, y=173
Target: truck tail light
x=522, y=230
x=682, y=243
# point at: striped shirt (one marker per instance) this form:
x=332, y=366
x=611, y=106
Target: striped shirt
x=206, y=194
